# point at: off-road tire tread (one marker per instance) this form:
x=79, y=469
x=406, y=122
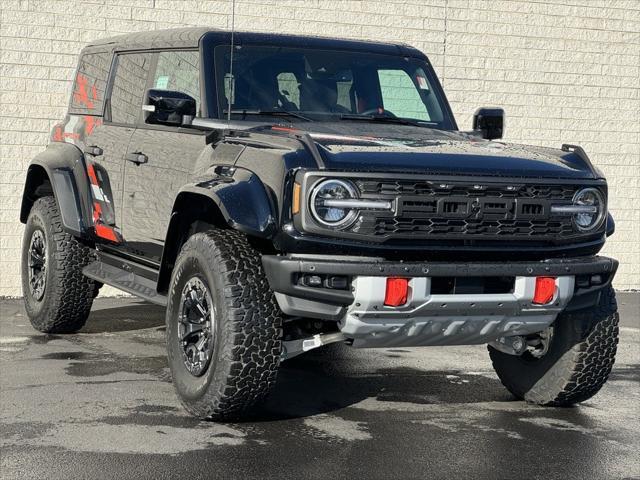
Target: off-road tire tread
x=582, y=371
x=69, y=301
x=257, y=326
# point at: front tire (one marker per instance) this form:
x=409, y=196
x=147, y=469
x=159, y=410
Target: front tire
x=223, y=326
x=57, y=296
x=577, y=363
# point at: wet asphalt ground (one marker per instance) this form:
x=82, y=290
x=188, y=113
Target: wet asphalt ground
x=100, y=404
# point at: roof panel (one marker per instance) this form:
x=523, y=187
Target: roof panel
x=190, y=37
x=168, y=38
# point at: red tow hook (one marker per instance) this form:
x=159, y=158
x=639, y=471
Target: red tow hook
x=396, y=292
x=545, y=290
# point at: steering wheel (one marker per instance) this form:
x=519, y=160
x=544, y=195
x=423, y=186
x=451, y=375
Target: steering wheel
x=376, y=111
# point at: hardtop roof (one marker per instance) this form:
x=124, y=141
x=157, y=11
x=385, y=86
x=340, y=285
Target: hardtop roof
x=167, y=38
x=190, y=38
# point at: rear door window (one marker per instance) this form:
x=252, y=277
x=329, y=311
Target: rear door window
x=90, y=84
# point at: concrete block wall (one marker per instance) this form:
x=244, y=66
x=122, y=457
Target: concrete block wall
x=566, y=71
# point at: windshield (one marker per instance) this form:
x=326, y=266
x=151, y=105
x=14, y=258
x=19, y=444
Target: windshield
x=327, y=85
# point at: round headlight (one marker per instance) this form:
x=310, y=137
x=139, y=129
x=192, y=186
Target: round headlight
x=333, y=216
x=589, y=197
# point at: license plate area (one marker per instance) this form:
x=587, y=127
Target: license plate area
x=472, y=285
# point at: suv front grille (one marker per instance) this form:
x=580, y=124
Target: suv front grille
x=439, y=210
x=443, y=226
x=428, y=188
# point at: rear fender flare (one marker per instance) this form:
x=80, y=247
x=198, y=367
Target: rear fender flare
x=62, y=165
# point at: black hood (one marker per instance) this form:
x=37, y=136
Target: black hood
x=367, y=146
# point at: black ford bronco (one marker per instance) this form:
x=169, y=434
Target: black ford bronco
x=278, y=193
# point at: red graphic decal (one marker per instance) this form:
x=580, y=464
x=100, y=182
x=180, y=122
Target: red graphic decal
x=97, y=212
x=81, y=95
x=58, y=134
x=283, y=129
x=106, y=232
x=103, y=231
x=91, y=123
x=92, y=175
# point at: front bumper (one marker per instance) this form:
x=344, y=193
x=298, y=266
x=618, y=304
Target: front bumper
x=429, y=318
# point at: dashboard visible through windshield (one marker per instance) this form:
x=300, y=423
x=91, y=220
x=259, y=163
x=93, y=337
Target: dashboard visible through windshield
x=311, y=84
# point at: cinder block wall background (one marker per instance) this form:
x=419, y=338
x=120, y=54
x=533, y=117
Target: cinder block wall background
x=565, y=72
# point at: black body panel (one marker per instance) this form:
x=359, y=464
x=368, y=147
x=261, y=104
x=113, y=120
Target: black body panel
x=150, y=189
x=370, y=147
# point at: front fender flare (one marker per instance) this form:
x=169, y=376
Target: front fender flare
x=241, y=201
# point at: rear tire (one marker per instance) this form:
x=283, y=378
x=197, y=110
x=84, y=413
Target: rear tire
x=223, y=372
x=577, y=364
x=57, y=296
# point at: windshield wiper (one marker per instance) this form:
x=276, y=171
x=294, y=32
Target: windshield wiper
x=270, y=113
x=383, y=119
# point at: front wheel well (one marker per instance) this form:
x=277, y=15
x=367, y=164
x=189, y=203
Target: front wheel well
x=37, y=185
x=192, y=213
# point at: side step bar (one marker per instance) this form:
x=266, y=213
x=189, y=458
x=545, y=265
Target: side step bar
x=127, y=279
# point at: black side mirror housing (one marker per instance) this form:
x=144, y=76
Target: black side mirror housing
x=489, y=122
x=168, y=107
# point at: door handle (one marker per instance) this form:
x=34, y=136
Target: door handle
x=136, y=157
x=93, y=150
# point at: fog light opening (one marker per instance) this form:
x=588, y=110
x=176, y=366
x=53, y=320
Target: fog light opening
x=333, y=282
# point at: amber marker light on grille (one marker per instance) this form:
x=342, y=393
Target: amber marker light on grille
x=295, y=206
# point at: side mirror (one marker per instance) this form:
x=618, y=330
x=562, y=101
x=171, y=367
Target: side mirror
x=489, y=122
x=167, y=107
